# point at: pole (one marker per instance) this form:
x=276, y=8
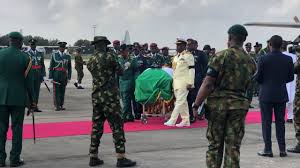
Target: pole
x=94, y=27
x=31, y=111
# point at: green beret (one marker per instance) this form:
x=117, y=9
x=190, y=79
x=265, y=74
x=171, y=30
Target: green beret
x=238, y=30
x=15, y=35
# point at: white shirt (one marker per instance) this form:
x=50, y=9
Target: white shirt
x=291, y=87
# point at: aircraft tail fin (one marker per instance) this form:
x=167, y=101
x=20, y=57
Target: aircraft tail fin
x=296, y=19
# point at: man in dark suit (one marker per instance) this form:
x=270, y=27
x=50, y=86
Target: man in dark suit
x=201, y=61
x=274, y=71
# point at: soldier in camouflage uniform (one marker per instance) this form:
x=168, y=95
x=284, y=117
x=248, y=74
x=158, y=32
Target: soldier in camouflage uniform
x=263, y=51
x=155, y=59
x=296, y=111
x=167, y=59
x=250, y=91
x=228, y=77
x=145, y=49
x=116, y=47
x=104, y=68
x=38, y=68
x=79, y=68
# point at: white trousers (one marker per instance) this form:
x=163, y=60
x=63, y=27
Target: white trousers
x=181, y=106
x=290, y=108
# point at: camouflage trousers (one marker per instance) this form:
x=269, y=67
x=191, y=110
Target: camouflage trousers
x=80, y=75
x=225, y=128
x=296, y=119
x=106, y=106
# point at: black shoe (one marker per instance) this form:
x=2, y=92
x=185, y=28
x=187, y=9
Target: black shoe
x=200, y=117
x=37, y=110
x=192, y=120
x=283, y=154
x=265, y=154
x=130, y=120
x=62, y=108
x=76, y=85
x=95, y=162
x=137, y=117
x=124, y=162
x=17, y=164
x=295, y=149
x=289, y=120
x=80, y=87
x=2, y=164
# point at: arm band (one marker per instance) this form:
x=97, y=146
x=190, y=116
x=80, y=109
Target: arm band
x=191, y=67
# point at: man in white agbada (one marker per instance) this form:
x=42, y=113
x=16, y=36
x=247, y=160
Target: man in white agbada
x=183, y=81
x=291, y=88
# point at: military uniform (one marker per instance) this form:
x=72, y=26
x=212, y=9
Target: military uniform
x=60, y=71
x=296, y=110
x=38, y=69
x=104, y=68
x=167, y=60
x=16, y=92
x=127, y=85
x=141, y=63
x=79, y=68
x=183, y=75
x=262, y=53
x=141, y=67
x=250, y=92
x=155, y=60
x=227, y=105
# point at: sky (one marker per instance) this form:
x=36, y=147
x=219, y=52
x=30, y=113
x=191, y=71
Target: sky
x=160, y=21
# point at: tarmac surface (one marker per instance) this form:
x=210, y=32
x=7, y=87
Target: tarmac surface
x=152, y=149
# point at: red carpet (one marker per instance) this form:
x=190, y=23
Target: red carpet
x=61, y=129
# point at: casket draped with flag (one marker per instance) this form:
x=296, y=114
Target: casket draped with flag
x=153, y=84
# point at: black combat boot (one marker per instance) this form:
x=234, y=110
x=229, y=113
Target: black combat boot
x=94, y=161
x=295, y=149
x=17, y=163
x=124, y=162
x=2, y=164
x=37, y=110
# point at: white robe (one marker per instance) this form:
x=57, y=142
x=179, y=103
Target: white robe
x=291, y=88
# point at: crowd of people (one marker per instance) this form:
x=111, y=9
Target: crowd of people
x=224, y=81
